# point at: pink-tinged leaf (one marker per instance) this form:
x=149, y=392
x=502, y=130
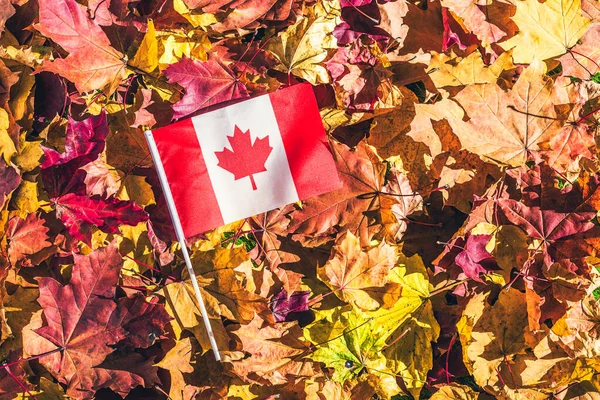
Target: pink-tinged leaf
x=86, y=324
x=9, y=181
x=99, y=180
x=80, y=213
x=549, y=226
x=13, y=379
x=454, y=33
x=583, y=59
x=123, y=13
x=360, y=20
x=206, y=83
x=565, y=149
x=26, y=237
x=144, y=320
x=282, y=305
x=6, y=11
x=83, y=139
x=354, y=3
x=92, y=62
x=245, y=13
x=142, y=115
x=356, y=77
x=475, y=259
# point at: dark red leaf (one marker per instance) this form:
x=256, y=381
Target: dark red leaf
x=206, y=83
x=84, y=141
x=9, y=180
x=26, y=237
x=475, y=259
x=14, y=379
x=80, y=213
x=78, y=320
x=144, y=320
x=283, y=305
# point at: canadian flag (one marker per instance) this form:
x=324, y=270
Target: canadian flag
x=243, y=159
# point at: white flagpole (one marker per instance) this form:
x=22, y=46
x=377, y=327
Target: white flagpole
x=181, y=238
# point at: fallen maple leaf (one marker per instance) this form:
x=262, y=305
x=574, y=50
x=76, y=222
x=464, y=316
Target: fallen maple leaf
x=272, y=226
x=546, y=31
x=356, y=276
x=81, y=213
x=207, y=83
x=356, y=206
x=144, y=320
x=283, y=305
x=84, y=141
x=84, y=323
x=350, y=342
x=506, y=127
x=26, y=238
x=178, y=361
x=92, y=63
x=273, y=352
x=484, y=354
x=9, y=181
x=302, y=47
x=475, y=259
x=245, y=157
x=549, y=226
x=79, y=321
x=475, y=20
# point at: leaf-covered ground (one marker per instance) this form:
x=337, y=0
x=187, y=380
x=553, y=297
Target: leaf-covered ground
x=458, y=260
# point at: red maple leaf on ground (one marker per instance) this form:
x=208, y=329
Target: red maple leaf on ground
x=245, y=158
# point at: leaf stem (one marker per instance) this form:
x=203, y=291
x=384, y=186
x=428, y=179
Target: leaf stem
x=140, y=288
x=18, y=381
x=452, y=340
x=151, y=268
x=314, y=346
x=398, y=338
x=438, y=225
x=451, y=245
x=586, y=57
x=10, y=364
x=531, y=114
x=247, y=48
x=580, y=120
x=447, y=287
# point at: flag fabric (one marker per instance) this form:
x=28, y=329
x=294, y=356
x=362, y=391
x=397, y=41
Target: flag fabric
x=244, y=159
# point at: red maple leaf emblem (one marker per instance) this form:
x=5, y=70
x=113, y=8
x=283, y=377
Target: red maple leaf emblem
x=245, y=158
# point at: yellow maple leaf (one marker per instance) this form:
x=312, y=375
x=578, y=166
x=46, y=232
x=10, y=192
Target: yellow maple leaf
x=546, y=29
x=302, y=47
x=456, y=71
x=146, y=57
